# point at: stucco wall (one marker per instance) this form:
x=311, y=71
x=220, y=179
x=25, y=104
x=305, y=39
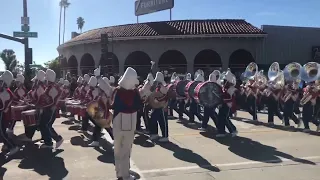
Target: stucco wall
x=290, y=44
x=155, y=48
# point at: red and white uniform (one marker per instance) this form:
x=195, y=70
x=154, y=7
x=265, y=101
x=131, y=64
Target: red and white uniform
x=77, y=93
x=83, y=92
x=91, y=95
x=50, y=96
x=65, y=92
x=6, y=98
x=19, y=94
x=229, y=98
x=35, y=93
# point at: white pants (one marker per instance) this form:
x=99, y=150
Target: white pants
x=124, y=126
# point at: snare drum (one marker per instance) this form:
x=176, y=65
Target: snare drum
x=76, y=110
x=16, y=112
x=29, y=117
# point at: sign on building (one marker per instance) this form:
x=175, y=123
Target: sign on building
x=150, y=6
x=316, y=53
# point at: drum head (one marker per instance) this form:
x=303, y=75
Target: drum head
x=209, y=94
x=33, y=111
x=181, y=87
x=192, y=88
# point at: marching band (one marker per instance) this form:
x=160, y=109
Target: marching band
x=118, y=109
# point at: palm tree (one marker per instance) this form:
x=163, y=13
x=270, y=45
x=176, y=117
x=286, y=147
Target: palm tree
x=65, y=4
x=9, y=59
x=80, y=22
x=61, y=5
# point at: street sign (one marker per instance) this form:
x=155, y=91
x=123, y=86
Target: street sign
x=36, y=66
x=25, y=28
x=25, y=20
x=150, y=6
x=25, y=34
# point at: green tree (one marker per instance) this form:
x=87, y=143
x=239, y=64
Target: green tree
x=80, y=22
x=54, y=65
x=9, y=59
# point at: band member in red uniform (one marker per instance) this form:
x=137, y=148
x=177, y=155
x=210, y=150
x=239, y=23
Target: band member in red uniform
x=33, y=96
x=6, y=98
x=48, y=103
x=92, y=95
x=160, y=115
x=227, y=106
x=19, y=94
x=251, y=92
x=126, y=103
x=105, y=90
x=77, y=91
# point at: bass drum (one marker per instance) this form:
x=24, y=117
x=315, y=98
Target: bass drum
x=208, y=94
x=180, y=87
x=171, y=91
x=190, y=87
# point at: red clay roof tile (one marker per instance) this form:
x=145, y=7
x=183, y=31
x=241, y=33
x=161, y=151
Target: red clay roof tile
x=179, y=27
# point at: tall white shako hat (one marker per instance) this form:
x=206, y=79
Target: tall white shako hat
x=93, y=81
x=80, y=80
x=41, y=75
x=50, y=75
x=86, y=78
x=199, y=78
x=112, y=80
x=7, y=78
x=160, y=78
x=129, y=80
x=20, y=78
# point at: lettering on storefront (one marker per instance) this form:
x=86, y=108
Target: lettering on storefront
x=149, y=6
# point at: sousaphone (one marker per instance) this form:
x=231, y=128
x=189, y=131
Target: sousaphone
x=310, y=72
x=273, y=71
x=251, y=71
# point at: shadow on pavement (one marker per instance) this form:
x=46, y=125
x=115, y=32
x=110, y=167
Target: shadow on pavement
x=44, y=162
x=279, y=127
x=253, y=150
x=143, y=140
x=189, y=156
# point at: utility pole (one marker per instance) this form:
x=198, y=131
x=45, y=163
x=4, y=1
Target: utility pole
x=27, y=53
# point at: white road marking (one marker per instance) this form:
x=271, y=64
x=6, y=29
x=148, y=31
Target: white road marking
x=226, y=165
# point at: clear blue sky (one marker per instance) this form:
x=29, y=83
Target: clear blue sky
x=44, y=17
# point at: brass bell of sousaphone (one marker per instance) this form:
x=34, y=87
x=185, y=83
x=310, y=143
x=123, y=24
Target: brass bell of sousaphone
x=273, y=71
x=310, y=72
x=251, y=71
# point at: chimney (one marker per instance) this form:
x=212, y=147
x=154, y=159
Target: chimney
x=74, y=34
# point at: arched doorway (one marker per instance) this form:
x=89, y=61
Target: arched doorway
x=87, y=64
x=172, y=61
x=140, y=61
x=73, y=65
x=207, y=60
x=110, y=64
x=239, y=60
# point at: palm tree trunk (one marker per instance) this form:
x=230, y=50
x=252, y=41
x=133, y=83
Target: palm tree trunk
x=64, y=23
x=60, y=24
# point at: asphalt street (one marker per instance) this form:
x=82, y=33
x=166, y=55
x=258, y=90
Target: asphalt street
x=260, y=152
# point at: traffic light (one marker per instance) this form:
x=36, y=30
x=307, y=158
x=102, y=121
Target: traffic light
x=104, y=43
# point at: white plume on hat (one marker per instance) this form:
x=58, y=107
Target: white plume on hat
x=86, y=78
x=177, y=78
x=20, y=78
x=41, y=75
x=112, y=79
x=66, y=83
x=50, y=75
x=230, y=78
x=80, y=79
x=93, y=81
x=199, y=78
x=7, y=77
x=129, y=80
x=104, y=85
x=160, y=78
